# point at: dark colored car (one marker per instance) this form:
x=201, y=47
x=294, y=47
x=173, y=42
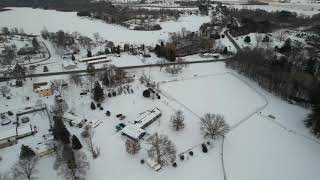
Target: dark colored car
x=45, y=69
x=120, y=126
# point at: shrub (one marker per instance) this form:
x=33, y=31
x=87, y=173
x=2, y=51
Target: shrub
x=182, y=157
x=98, y=105
x=109, y=94
x=146, y=93
x=142, y=161
x=108, y=113
x=174, y=164
x=101, y=108
x=114, y=93
x=93, y=107
x=247, y=39
x=76, y=144
x=191, y=153
x=204, y=148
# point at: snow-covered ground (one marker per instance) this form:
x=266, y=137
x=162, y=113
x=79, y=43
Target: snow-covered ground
x=299, y=8
x=34, y=20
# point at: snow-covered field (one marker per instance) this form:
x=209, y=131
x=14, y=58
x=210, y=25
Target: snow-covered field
x=34, y=20
x=221, y=94
x=299, y=8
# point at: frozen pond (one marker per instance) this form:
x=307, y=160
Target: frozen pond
x=34, y=20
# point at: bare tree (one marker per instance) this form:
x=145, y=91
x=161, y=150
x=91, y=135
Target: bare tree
x=144, y=78
x=76, y=79
x=132, y=147
x=97, y=37
x=213, y=126
x=259, y=39
x=58, y=85
x=177, y=67
x=4, y=90
x=59, y=107
x=75, y=167
x=177, y=121
x=162, y=149
x=88, y=134
x=25, y=168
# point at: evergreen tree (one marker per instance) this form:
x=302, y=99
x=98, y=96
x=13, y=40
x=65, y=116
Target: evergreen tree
x=313, y=119
x=118, y=49
x=91, y=70
x=247, y=39
x=146, y=93
x=98, y=94
x=26, y=152
x=106, y=51
x=89, y=53
x=60, y=132
x=76, y=144
x=93, y=107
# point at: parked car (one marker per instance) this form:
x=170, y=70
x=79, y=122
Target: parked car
x=45, y=69
x=83, y=93
x=120, y=126
x=118, y=115
x=122, y=117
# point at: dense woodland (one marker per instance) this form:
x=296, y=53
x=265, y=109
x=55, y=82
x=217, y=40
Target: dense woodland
x=264, y=22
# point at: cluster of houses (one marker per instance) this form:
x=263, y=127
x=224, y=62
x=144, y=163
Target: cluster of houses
x=136, y=131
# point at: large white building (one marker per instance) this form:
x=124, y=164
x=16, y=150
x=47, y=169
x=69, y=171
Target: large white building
x=136, y=130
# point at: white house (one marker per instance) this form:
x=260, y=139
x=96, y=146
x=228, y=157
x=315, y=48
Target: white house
x=148, y=117
x=136, y=130
x=133, y=132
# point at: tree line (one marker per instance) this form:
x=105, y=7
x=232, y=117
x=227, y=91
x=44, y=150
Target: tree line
x=278, y=76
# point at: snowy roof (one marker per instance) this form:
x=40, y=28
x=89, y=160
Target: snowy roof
x=93, y=58
x=44, y=87
x=24, y=129
x=73, y=118
x=99, y=61
x=153, y=164
x=8, y=133
x=147, y=116
x=133, y=131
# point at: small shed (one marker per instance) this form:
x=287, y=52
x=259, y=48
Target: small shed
x=153, y=164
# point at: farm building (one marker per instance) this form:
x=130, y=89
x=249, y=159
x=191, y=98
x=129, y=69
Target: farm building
x=11, y=136
x=148, y=117
x=43, y=89
x=8, y=138
x=136, y=130
x=88, y=59
x=133, y=132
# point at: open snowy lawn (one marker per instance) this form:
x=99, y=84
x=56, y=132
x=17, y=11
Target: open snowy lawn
x=220, y=94
x=34, y=20
x=259, y=149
